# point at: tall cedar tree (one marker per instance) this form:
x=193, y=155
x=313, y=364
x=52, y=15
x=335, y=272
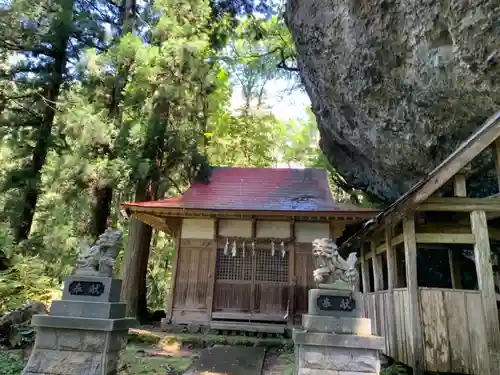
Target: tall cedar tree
x=104, y=191
x=173, y=133
x=43, y=40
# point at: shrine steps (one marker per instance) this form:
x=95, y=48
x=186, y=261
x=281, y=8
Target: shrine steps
x=248, y=327
x=230, y=328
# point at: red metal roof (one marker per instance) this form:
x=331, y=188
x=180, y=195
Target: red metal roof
x=257, y=189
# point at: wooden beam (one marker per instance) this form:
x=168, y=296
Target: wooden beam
x=365, y=272
x=446, y=238
x=484, y=270
x=416, y=334
x=378, y=277
x=392, y=277
x=460, y=204
x=322, y=216
x=460, y=227
x=437, y=238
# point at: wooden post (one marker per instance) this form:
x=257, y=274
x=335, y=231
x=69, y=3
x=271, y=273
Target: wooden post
x=357, y=287
x=460, y=190
x=391, y=284
x=365, y=272
x=416, y=335
x=378, y=278
x=484, y=270
x=460, y=185
x=292, y=278
x=169, y=308
x=211, y=271
x=496, y=154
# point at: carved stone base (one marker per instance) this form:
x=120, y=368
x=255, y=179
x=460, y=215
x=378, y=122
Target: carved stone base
x=83, y=333
x=62, y=351
x=333, y=354
x=336, y=341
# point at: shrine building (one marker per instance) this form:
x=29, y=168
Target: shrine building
x=244, y=242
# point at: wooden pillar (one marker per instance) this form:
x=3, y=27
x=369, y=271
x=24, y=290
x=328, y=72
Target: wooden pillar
x=365, y=272
x=173, y=280
x=211, y=271
x=460, y=185
x=484, y=270
x=496, y=155
x=378, y=277
x=392, y=278
x=357, y=287
x=460, y=190
x=292, y=278
x=416, y=334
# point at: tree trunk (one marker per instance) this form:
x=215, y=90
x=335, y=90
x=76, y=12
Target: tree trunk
x=39, y=153
x=102, y=210
x=104, y=194
x=135, y=263
x=133, y=270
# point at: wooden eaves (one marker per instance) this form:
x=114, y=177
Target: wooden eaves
x=166, y=219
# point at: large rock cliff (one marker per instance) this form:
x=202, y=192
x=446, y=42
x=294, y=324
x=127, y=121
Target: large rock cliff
x=396, y=85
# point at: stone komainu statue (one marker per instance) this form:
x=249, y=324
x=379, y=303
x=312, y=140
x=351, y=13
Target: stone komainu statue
x=330, y=267
x=99, y=259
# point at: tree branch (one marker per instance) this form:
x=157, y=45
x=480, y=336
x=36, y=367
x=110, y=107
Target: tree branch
x=175, y=185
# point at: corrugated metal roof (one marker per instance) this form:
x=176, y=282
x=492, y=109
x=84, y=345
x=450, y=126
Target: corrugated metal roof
x=258, y=189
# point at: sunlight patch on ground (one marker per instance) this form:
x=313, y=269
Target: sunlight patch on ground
x=144, y=359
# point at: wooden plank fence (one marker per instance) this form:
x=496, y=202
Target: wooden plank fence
x=452, y=323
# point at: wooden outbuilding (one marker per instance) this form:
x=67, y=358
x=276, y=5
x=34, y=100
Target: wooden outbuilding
x=429, y=266
x=243, y=244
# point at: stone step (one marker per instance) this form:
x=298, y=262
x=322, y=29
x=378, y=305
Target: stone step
x=248, y=327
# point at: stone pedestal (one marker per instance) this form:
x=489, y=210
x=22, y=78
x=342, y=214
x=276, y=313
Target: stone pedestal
x=335, y=339
x=84, y=332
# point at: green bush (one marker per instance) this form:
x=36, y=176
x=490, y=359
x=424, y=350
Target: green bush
x=25, y=279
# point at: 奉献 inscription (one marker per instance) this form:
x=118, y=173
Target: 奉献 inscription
x=335, y=303
x=86, y=288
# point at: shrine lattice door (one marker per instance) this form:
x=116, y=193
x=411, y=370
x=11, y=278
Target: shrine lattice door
x=251, y=286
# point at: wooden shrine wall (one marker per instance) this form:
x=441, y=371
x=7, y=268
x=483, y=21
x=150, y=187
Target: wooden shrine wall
x=192, y=280
x=194, y=298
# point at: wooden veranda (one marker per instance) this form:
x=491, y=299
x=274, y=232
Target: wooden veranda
x=449, y=323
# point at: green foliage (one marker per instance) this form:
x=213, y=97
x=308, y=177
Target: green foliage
x=97, y=109
x=26, y=279
x=395, y=369
x=10, y=364
x=245, y=140
x=159, y=270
